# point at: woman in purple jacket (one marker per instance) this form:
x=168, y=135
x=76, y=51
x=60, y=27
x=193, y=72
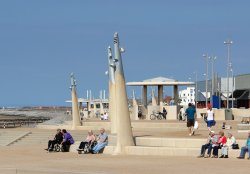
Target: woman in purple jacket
x=67, y=141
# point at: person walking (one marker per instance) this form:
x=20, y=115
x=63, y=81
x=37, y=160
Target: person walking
x=164, y=113
x=191, y=116
x=210, y=117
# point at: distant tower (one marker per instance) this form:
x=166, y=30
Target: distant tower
x=75, y=108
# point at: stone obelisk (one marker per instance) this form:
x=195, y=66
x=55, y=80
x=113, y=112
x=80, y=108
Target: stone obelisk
x=135, y=104
x=112, y=104
x=75, y=108
x=124, y=130
x=154, y=103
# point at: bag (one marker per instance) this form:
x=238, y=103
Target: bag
x=196, y=125
x=235, y=146
x=214, y=123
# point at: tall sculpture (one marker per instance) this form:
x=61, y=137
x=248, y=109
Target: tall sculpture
x=154, y=103
x=112, y=104
x=75, y=108
x=134, y=100
x=123, y=122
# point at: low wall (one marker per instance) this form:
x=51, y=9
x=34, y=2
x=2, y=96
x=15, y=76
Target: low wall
x=199, y=111
x=172, y=112
x=152, y=109
x=219, y=114
x=239, y=113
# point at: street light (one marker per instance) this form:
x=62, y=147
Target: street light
x=206, y=57
x=228, y=44
x=213, y=58
x=231, y=69
x=196, y=88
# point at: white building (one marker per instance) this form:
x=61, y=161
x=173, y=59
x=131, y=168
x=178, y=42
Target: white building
x=187, y=96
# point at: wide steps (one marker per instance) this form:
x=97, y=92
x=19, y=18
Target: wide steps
x=9, y=137
x=44, y=137
x=167, y=142
x=173, y=142
x=164, y=151
x=152, y=125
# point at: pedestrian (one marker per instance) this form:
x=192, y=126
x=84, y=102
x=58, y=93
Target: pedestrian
x=210, y=117
x=164, y=113
x=191, y=116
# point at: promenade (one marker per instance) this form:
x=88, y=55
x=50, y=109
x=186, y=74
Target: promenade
x=27, y=155
x=33, y=159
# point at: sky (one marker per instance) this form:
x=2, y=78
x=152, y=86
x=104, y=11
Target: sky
x=43, y=41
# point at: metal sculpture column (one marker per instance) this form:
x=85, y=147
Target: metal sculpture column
x=112, y=103
x=75, y=107
x=124, y=130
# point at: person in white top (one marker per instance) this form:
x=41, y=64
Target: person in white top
x=210, y=117
x=182, y=114
x=224, y=149
x=105, y=116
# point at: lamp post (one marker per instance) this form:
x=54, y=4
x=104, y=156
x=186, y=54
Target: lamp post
x=196, y=88
x=231, y=69
x=206, y=57
x=213, y=58
x=228, y=44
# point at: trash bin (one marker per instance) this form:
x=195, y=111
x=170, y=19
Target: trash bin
x=228, y=114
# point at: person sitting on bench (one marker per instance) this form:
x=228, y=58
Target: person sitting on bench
x=57, y=140
x=67, y=141
x=102, y=141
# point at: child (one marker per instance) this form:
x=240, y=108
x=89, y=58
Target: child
x=223, y=125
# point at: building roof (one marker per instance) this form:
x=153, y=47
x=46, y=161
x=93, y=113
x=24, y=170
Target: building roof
x=200, y=97
x=243, y=94
x=82, y=100
x=160, y=81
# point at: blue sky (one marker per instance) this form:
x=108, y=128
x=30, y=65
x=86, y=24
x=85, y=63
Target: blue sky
x=42, y=42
